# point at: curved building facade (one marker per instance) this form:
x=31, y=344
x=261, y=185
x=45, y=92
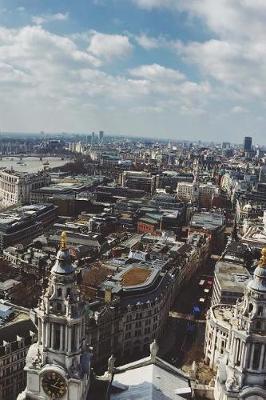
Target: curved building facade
x=236, y=342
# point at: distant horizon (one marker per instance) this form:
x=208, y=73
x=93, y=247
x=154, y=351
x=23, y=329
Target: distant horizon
x=123, y=135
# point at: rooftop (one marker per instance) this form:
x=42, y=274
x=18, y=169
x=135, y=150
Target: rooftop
x=159, y=381
x=231, y=277
x=135, y=276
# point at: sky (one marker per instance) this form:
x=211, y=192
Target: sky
x=180, y=69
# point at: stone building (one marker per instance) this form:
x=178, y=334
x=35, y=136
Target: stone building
x=58, y=365
x=16, y=187
x=17, y=333
x=235, y=342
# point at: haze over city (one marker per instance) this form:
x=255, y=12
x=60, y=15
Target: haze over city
x=172, y=68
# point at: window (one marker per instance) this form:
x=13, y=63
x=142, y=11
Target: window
x=260, y=311
x=59, y=292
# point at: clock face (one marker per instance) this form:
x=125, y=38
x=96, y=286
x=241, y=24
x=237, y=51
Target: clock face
x=54, y=385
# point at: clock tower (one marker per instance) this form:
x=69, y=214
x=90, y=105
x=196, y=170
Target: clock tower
x=58, y=365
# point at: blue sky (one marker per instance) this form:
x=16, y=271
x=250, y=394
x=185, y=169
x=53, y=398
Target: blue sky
x=159, y=68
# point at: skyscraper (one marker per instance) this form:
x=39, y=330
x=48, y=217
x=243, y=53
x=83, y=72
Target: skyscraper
x=247, y=144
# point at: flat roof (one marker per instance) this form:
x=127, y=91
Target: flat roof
x=135, y=276
x=232, y=277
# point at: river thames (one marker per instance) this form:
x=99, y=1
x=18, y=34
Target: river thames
x=31, y=164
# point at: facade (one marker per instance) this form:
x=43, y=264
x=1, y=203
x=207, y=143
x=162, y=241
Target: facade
x=247, y=144
x=22, y=224
x=195, y=192
x=236, y=341
x=17, y=333
x=16, y=187
x=58, y=365
x=139, y=180
x=212, y=224
x=136, y=301
x=135, y=313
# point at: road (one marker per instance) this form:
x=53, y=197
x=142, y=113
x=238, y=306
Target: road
x=184, y=334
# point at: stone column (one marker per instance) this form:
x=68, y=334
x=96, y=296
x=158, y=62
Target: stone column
x=47, y=335
x=43, y=334
x=66, y=338
x=52, y=335
x=69, y=339
x=61, y=348
x=262, y=352
x=251, y=355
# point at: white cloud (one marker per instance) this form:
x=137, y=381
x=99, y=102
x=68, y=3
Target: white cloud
x=109, y=47
x=149, y=4
x=44, y=19
x=66, y=90
x=150, y=43
x=239, y=110
x=155, y=72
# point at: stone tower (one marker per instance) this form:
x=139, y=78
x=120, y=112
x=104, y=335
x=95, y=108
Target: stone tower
x=242, y=371
x=58, y=365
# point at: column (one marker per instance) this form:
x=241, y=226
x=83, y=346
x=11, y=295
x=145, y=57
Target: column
x=233, y=354
x=77, y=337
x=247, y=355
x=61, y=338
x=66, y=338
x=69, y=339
x=52, y=335
x=43, y=334
x=262, y=356
x=47, y=343
x=39, y=331
x=251, y=355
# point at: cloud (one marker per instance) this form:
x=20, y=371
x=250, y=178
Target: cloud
x=155, y=72
x=150, y=4
x=48, y=81
x=239, y=110
x=149, y=43
x=109, y=47
x=44, y=19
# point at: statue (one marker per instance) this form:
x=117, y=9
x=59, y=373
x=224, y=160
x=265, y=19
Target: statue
x=111, y=365
x=154, y=348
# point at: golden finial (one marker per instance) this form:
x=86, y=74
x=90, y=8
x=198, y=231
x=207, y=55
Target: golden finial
x=63, y=241
x=263, y=258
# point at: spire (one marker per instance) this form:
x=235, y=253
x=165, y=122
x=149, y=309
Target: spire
x=63, y=263
x=63, y=241
x=262, y=261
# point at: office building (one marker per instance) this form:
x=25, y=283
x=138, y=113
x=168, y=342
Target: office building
x=247, y=144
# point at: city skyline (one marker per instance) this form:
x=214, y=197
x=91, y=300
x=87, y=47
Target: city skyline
x=177, y=69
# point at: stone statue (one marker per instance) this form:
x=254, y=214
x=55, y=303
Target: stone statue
x=154, y=348
x=111, y=364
